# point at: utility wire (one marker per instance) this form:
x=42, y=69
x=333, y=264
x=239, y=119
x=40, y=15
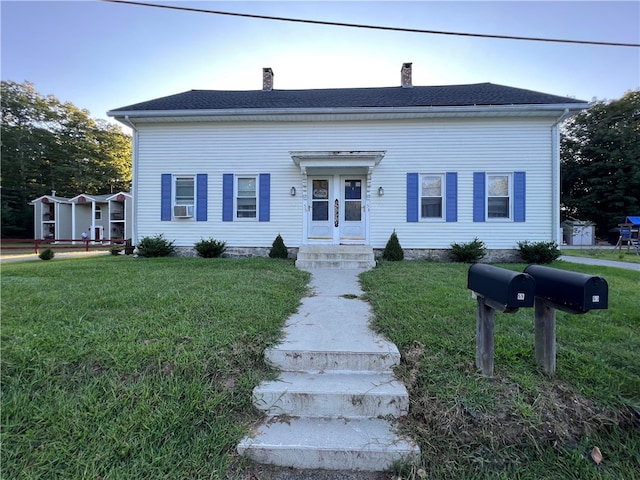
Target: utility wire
x=375, y=27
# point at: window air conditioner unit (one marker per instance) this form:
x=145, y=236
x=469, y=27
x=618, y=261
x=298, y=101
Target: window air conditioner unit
x=183, y=211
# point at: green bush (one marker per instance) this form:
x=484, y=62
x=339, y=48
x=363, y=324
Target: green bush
x=156, y=246
x=115, y=250
x=278, y=248
x=46, y=254
x=393, y=251
x=538, y=252
x=469, y=252
x=210, y=248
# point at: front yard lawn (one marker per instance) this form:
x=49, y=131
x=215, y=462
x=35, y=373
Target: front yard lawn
x=520, y=423
x=122, y=368
x=119, y=368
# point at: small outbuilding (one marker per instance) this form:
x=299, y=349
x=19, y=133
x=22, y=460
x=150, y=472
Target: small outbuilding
x=94, y=217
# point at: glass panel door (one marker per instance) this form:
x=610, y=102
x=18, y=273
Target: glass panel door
x=336, y=209
x=320, y=225
x=352, y=224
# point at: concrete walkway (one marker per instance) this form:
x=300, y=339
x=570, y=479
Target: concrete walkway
x=28, y=257
x=601, y=263
x=336, y=402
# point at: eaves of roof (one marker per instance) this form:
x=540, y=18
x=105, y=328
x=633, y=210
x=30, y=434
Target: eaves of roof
x=476, y=99
x=335, y=114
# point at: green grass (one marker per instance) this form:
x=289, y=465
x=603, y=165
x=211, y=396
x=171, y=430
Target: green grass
x=520, y=423
x=120, y=368
x=605, y=254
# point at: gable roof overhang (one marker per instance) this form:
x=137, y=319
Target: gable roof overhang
x=330, y=160
x=49, y=199
x=119, y=197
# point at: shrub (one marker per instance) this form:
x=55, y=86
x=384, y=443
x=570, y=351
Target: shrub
x=278, y=248
x=157, y=246
x=46, y=254
x=210, y=248
x=539, y=252
x=469, y=252
x=393, y=251
x=115, y=250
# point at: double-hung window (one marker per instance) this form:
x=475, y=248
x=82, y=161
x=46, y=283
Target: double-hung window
x=246, y=197
x=184, y=197
x=499, y=192
x=431, y=196
x=185, y=189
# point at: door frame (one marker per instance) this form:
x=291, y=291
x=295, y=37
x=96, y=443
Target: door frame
x=359, y=163
x=336, y=193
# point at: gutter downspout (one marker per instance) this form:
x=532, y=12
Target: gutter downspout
x=134, y=181
x=556, y=231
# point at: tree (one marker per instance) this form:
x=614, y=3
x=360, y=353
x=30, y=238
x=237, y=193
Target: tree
x=393, y=250
x=600, y=163
x=48, y=145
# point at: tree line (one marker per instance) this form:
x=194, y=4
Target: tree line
x=600, y=163
x=50, y=145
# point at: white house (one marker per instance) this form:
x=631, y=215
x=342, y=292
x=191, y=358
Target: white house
x=437, y=164
x=101, y=217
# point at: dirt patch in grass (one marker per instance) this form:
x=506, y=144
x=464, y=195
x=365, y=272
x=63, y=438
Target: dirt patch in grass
x=254, y=471
x=510, y=419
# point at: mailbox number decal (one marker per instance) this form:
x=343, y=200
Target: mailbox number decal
x=595, y=298
x=521, y=296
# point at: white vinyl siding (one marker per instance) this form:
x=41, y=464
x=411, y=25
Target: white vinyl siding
x=462, y=145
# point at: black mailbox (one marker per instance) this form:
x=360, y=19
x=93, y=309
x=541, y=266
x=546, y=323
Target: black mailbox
x=570, y=291
x=508, y=289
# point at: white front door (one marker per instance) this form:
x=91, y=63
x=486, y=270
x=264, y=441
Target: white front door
x=336, y=209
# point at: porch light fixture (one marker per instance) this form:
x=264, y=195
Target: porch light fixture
x=380, y=191
x=293, y=191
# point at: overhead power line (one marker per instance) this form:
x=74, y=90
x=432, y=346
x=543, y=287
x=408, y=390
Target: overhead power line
x=375, y=27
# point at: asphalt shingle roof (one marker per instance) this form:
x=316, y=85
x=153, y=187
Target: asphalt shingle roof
x=434, y=96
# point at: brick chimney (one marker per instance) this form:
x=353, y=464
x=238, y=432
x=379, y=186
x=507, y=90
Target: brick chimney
x=267, y=79
x=405, y=75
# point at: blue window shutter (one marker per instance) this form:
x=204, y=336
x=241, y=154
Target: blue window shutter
x=519, y=196
x=478, y=196
x=227, y=197
x=201, y=202
x=412, y=197
x=165, y=197
x=452, y=197
x=265, y=197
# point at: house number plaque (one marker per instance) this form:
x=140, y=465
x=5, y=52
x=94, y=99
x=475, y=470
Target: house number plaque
x=336, y=212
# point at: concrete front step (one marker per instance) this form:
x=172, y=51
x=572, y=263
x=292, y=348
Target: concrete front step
x=332, y=333
x=337, y=264
x=329, y=443
x=353, y=394
x=287, y=357
x=335, y=256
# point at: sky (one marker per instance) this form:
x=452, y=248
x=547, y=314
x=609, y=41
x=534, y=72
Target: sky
x=101, y=56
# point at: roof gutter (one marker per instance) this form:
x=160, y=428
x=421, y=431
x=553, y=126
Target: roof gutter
x=134, y=177
x=127, y=121
x=124, y=115
x=556, y=231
